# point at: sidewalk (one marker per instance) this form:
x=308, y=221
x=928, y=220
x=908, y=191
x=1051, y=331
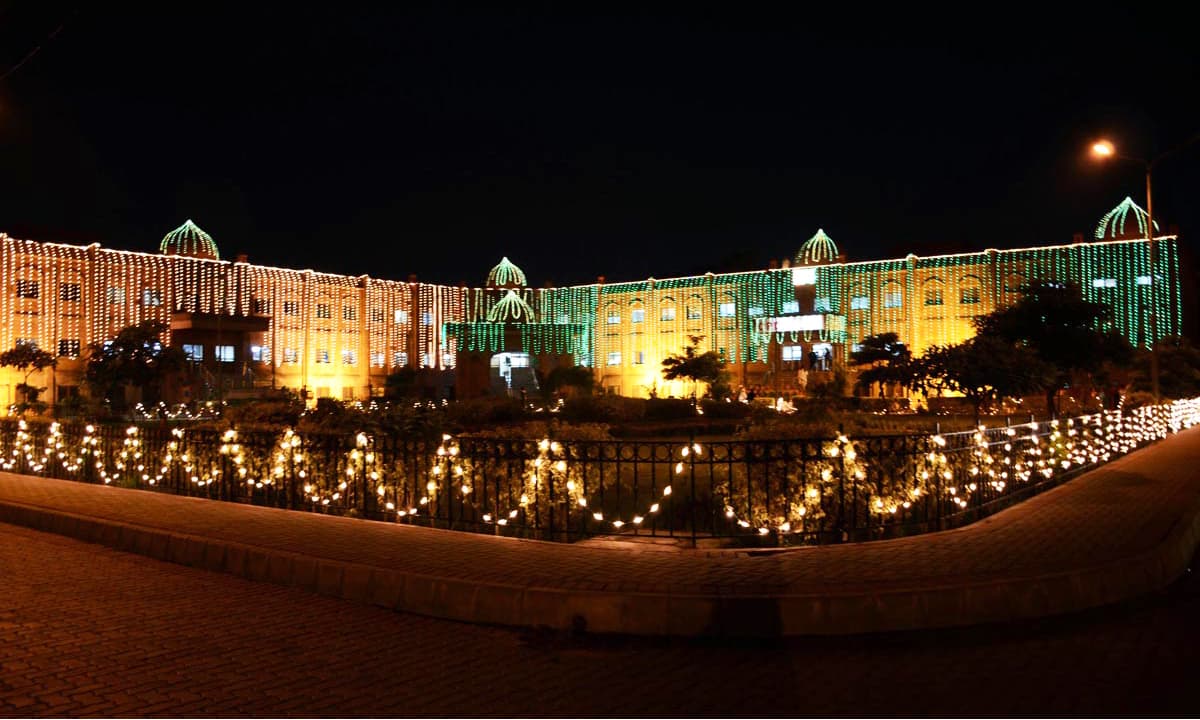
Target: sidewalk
x=1112, y=534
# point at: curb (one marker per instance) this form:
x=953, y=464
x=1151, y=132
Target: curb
x=685, y=615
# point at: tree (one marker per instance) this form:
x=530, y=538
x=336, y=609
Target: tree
x=707, y=367
x=983, y=369
x=890, y=362
x=1055, y=325
x=135, y=357
x=1179, y=368
x=401, y=384
x=27, y=358
x=579, y=377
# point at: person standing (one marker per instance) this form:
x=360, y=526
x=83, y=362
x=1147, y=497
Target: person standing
x=802, y=379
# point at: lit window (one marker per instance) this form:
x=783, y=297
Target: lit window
x=347, y=393
x=614, y=358
x=860, y=302
x=637, y=315
x=856, y=347
x=639, y=358
x=376, y=315
x=693, y=312
x=1104, y=283
x=791, y=306
x=349, y=312
x=151, y=297
x=563, y=319
x=26, y=341
x=291, y=307
x=804, y=276
x=968, y=296
x=195, y=353
x=377, y=359
x=448, y=359
x=116, y=296
x=400, y=316
x=322, y=357
x=893, y=299
x=399, y=359
x=1143, y=280
x=614, y=317
x=291, y=355
x=726, y=309
x=793, y=353
x=224, y=353
x=668, y=314
x=349, y=357
x=822, y=305
x=260, y=353
x=755, y=311
x=933, y=296
x=27, y=289
x=426, y=318
x=262, y=307
x=426, y=360
x=68, y=348
x=323, y=310
x=68, y=292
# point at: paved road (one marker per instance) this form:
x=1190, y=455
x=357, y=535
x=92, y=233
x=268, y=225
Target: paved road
x=85, y=630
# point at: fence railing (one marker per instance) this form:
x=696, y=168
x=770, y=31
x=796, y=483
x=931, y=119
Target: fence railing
x=779, y=491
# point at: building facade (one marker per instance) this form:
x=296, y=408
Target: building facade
x=250, y=327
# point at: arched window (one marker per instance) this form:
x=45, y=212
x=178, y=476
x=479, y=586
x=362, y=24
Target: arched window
x=933, y=292
x=695, y=310
x=970, y=290
x=666, y=310
x=893, y=294
x=860, y=298
x=612, y=314
x=637, y=312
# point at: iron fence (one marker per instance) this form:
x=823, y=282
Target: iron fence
x=768, y=491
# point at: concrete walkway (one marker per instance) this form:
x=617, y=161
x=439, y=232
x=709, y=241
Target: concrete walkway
x=1112, y=534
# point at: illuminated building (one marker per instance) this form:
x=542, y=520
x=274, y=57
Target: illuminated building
x=249, y=327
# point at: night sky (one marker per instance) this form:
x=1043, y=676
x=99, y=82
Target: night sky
x=583, y=140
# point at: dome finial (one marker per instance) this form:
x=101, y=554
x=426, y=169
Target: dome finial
x=817, y=250
x=189, y=240
x=506, y=275
x=1112, y=225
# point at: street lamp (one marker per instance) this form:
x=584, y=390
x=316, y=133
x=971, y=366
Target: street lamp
x=1103, y=150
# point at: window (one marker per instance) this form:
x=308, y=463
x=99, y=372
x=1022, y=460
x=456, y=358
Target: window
x=893, y=299
x=323, y=310
x=563, y=319
x=614, y=316
x=291, y=355
x=223, y=353
x=347, y=393
x=755, y=311
x=793, y=353
x=69, y=292
x=27, y=341
x=260, y=353
x=693, y=312
x=322, y=356
x=639, y=358
x=377, y=359
x=195, y=353
x=726, y=309
x=426, y=318
x=860, y=302
x=614, y=358
x=791, y=306
x=1014, y=283
x=349, y=312
x=637, y=315
x=68, y=348
x=262, y=307
x=400, y=316
x=822, y=305
x=376, y=315
x=1143, y=280
x=323, y=392
x=933, y=296
x=116, y=296
x=968, y=296
x=349, y=357
x=1104, y=283
x=151, y=297
x=399, y=359
x=291, y=307
x=27, y=289
x=668, y=314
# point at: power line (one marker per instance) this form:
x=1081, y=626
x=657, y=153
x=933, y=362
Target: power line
x=29, y=55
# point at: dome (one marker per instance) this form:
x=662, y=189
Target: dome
x=1113, y=225
x=506, y=275
x=189, y=240
x=817, y=249
x=511, y=308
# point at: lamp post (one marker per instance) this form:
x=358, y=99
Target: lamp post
x=1104, y=150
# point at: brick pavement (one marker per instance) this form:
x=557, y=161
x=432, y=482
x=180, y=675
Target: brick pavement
x=1119, y=531
x=90, y=631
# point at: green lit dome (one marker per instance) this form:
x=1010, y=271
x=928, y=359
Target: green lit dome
x=506, y=275
x=1113, y=225
x=189, y=240
x=817, y=249
x=511, y=308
